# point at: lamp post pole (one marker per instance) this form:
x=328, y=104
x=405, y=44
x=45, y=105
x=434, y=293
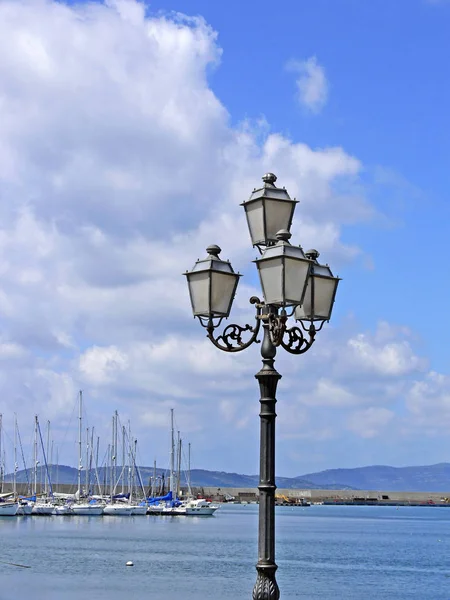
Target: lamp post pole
x=290, y=279
x=266, y=587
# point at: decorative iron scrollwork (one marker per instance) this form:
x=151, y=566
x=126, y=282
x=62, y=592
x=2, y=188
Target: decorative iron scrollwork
x=295, y=341
x=231, y=339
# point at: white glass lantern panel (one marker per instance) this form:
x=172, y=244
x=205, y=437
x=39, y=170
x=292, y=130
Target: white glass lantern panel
x=270, y=273
x=278, y=216
x=255, y=220
x=295, y=280
x=199, y=291
x=222, y=292
x=324, y=292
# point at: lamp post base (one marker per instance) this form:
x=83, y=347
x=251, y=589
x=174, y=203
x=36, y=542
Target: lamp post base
x=266, y=587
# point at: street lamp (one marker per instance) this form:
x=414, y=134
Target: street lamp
x=291, y=280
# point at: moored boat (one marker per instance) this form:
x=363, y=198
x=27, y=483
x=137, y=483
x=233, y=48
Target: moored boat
x=44, y=509
x=62, y=510
x=138, y=510
x=8, y=509
x=117, y=510
x=87, y=509
x=199, y=507
x=25, y=508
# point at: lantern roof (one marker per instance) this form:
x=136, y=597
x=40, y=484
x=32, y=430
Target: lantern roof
x=283, y=248
x=319, y=269
x=269, y=191
x=212, y=262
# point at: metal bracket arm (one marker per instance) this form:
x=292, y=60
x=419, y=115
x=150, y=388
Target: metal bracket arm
x=230, y=340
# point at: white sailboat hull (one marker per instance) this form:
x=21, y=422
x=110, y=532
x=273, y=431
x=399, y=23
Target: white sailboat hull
x=8, y=509
x=88, y=510
x=138, y=510
x=25, y=509
x=117, y=510
x=62, y=510
x=44, y=510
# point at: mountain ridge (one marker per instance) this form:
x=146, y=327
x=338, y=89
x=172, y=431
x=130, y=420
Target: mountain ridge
x=427, y=478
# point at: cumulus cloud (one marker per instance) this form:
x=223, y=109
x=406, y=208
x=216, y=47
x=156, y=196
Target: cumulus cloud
x=391, y=358
x=370, y=422
x=311, y=82
x=428, y=401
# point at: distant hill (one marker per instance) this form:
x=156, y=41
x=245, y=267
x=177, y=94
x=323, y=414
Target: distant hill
x=431, y=478
x=199, y=478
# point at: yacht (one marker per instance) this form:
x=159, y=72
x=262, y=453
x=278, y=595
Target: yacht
x=25, y=508
x=87, y=509
x=8, y=509
x=199, y=507
x=118, y=509
x=138, y=509
x=43, y=509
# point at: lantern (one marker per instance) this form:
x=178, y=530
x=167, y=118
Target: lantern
x=212, y=285
x=320, y=292
x=268, y=210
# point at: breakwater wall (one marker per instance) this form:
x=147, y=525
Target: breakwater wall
x=386, y=497
x=220, y=494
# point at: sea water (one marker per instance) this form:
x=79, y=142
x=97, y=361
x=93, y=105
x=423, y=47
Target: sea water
x=323, y=552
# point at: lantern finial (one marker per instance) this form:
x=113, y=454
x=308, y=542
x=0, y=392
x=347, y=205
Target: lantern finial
x=214, y=250
x=269, y=179
x=283, y=235
x=312, y=254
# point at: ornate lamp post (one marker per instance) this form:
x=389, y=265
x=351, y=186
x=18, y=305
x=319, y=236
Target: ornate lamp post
x=291, y=280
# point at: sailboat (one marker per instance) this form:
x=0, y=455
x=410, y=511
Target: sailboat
x=7, y=508
x=91, y=508
x=120, y=508
x=137, y=508
x=25, y=508
x=42, y=507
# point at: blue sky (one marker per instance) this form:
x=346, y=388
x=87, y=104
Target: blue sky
x=129, y=135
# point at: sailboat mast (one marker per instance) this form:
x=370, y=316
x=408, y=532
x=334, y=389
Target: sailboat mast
x=172, y=455
x=107, y=469
x=123, y=459
x=189, y=468
x=80, y=466
x=179, y=466
x=111, y=464
x=91, y=458
x=154, y=479
x=116, y=447
x=86, y=468
x=15, y=457
x=1, y=462
x=51, y=460
x=57, y=466
x=48, y=449
x=96, y=468
x=35, y=454
x=134, y=467
x=131, y=459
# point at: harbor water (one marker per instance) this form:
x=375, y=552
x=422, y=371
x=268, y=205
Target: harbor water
x=323, y=552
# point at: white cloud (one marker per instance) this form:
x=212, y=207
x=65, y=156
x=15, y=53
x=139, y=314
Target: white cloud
x=386, y=357
x=312, y=84
x=428, y=401
x=370, y=422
